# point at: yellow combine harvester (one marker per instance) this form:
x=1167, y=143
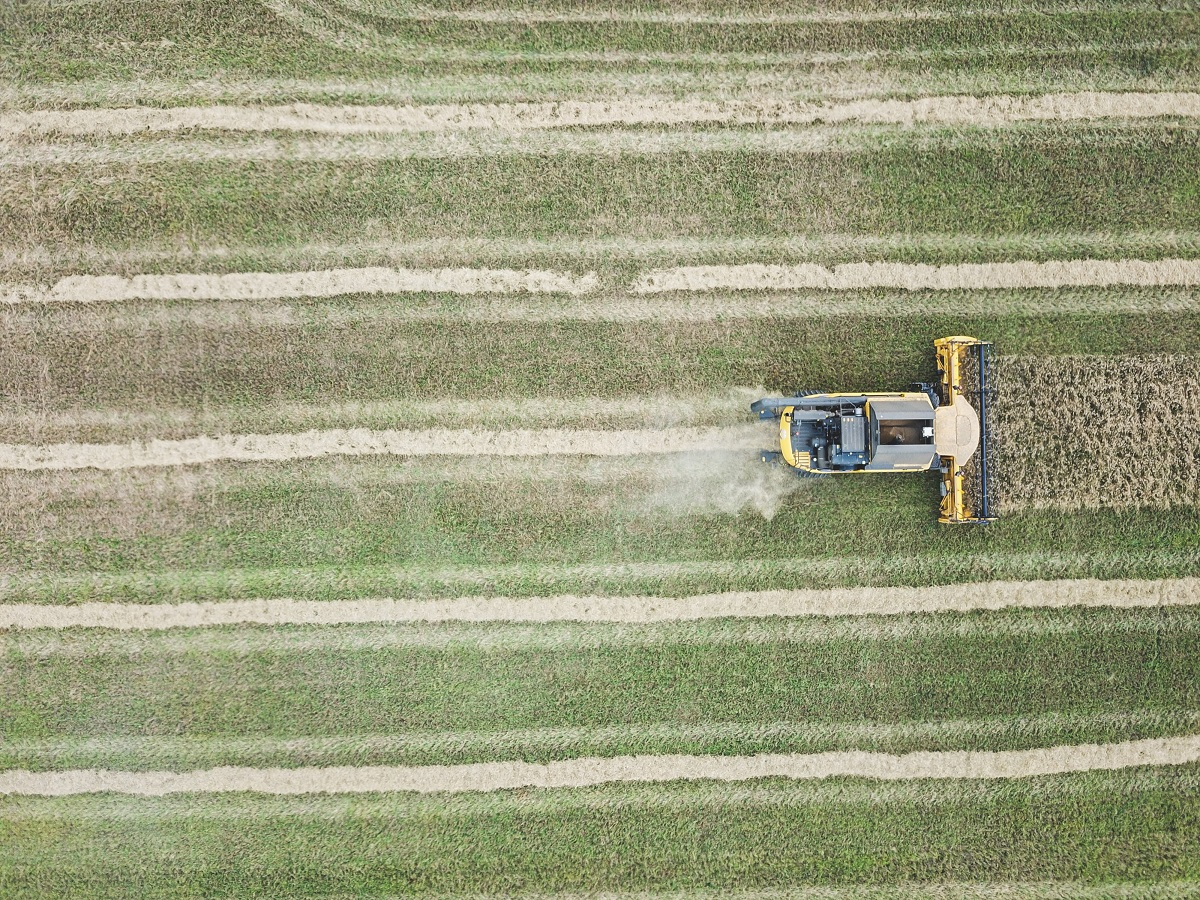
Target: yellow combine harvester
x=930, y=427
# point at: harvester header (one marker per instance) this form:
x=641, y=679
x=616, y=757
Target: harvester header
x=965, y=367
x=943, y=427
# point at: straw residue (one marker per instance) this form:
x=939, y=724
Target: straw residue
x=752, y=277
x=364, y=442
x=861, y=601
x=576, y=773
x=281, y=285
x=302, y=117
x=913, y=276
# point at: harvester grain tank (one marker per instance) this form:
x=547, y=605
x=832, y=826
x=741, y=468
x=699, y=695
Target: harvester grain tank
x=942, y=426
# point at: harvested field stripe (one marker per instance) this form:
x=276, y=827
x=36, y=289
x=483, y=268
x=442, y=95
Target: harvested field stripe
x=914, y=277
x=478, y=777
x=355, y=38
x=964, y=568
x=1086, y=245
x=677, y=307
x=795, y=140
x=522, y=14
x=797, y=81
x=601, y=637
x=364, y=442
x=701, y=408
x=280, y=285
x=954, y=110
x=527, y=15
x=993, y=595
x=540, y=740
x=950, y=890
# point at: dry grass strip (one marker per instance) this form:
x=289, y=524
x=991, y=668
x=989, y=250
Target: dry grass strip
x=261, y=286
x=364, y=442
x=575, y=773
x=915, y=276
x=994, y=595
x=303, y=117
x=280, y=285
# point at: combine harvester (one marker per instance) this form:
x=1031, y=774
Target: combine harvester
x=943, y=427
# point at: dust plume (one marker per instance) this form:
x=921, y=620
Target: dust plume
x=721, y=482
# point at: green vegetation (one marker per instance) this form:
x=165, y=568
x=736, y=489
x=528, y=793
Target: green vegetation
x=353, y=517
x=297, y=681
x=1010, y=182
x=1093, y=827
x=248, y=363
x=190, y=752
x=617, y=200
x=618, y=261
x=206, y=39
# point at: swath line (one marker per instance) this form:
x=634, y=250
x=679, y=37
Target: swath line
x=914, y=277
x=283, y=285
x=750, y=277
x=365, y=442
x=633, y=609
x=302, y=117
x=326, y=749
x=576, y=773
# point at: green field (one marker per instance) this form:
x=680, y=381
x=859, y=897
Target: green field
x=464, y=143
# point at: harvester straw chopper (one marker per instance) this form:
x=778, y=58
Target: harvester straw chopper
x=942, y=426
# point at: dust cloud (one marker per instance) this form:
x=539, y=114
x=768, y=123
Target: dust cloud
x=721, y=482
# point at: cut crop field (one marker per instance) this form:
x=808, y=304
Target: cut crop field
x=381, y=512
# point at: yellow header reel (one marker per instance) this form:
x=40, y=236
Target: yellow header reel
x=962, y=430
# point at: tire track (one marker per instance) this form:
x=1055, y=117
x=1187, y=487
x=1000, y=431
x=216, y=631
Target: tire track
x=560, y=637
x=700, y=409
x=303, y=117
x=585, y=772
x=890, y=601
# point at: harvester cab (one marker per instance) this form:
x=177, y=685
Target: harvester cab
x=943, y=426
